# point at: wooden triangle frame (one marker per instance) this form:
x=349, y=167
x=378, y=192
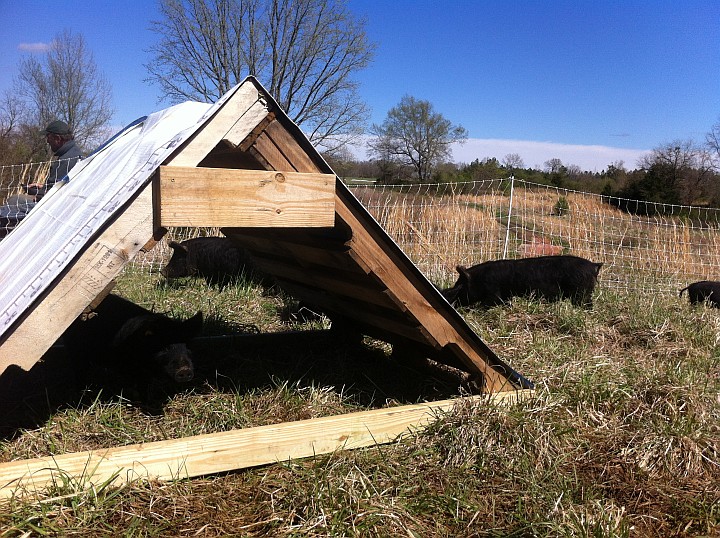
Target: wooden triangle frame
x=251, y=171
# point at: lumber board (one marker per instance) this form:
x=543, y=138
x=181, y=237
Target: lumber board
x=296, y=155
x=333, y=283
x=302, y=254
x=233, y=121
x=408, y=290
x=231, y=450
x=324, y=261
x=271, y=153
x=333, y=239
x=373, y=320
x=256, y=132
x=217, y=197
x=86, y=278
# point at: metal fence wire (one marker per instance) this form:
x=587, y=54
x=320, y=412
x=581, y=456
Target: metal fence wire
x=644, y=247
x=654, y=248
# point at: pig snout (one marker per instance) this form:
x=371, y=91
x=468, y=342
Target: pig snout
x=176, y=360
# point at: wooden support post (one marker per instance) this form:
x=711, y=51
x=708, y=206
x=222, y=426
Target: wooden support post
x=86, y=278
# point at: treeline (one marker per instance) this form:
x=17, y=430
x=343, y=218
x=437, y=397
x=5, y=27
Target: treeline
x=679, y=173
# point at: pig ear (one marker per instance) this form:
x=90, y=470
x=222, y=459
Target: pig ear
x=193, y=325
x=138, y=326
x=463, y=272
x=177, y=246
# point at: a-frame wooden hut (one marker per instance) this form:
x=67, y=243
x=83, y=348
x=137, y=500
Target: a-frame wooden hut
x=244, y=166
x=240, y=164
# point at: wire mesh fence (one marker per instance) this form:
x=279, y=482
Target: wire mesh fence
x=440, y=226
x=652, y=248
x=14, y=176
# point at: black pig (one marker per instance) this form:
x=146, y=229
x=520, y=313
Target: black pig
x=705, y=290
x=119, y=342
x=549, y=277
x=216, y=259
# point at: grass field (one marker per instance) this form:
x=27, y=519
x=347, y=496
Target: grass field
x=622, y=437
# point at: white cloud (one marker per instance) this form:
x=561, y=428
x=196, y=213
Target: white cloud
x=534, y=154
x=34, y=47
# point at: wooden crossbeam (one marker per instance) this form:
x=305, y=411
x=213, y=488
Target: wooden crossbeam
x=214, y=197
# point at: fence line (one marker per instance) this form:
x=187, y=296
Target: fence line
x=442, y=225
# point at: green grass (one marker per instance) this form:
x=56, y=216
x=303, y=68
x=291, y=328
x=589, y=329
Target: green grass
x=621, y=439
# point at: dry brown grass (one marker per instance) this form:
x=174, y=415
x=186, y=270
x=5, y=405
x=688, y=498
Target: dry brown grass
x=621, y=439
x=439, y=231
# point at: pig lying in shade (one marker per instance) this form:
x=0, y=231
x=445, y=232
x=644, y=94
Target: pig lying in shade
x=549, y=277
x=120, y=343
x=216, y=259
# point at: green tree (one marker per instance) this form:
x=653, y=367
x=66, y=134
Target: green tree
x=415, y=136
x=305, y=52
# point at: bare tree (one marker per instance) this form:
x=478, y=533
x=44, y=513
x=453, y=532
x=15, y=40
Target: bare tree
x=712, y=140
x=15, y=147
x=414, y=135
x=553, y=166
x=66, y=84
x=513, y=161
x=11, y=113
x=304, y=51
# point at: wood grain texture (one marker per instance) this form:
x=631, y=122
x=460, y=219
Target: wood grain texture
x=227, y=451
x=213, y=197
x=234, y=120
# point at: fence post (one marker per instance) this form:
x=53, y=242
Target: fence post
x=507, y=231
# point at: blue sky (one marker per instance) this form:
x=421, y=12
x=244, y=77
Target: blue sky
x=589, y=82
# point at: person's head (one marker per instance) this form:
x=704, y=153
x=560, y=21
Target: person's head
x=57, y=133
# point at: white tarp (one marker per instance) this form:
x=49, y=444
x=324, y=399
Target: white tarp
x=60, y=225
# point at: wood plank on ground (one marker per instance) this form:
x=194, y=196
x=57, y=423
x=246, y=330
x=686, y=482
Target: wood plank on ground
x=226, y=451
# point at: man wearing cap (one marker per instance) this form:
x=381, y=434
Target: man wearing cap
x=61, y=141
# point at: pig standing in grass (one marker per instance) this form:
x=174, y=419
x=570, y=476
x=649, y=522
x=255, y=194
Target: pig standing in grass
x=549, y=277
x=705, y=290
x=120, y=343
x=216, y=259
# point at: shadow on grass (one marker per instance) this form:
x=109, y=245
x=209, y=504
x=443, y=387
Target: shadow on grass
x=231, y=358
